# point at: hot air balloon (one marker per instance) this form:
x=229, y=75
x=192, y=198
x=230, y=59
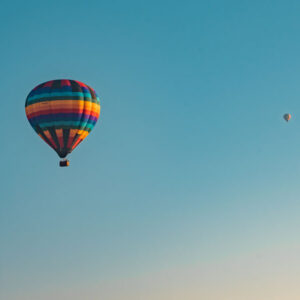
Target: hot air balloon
x=62, y=112
x=287, y=117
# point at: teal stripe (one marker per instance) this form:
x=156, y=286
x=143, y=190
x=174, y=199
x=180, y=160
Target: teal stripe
x=66, y=123
x=60, y=127
x=44, y=95
x=62, y=96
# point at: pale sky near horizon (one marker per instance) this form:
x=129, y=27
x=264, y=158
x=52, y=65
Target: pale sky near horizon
x=188, y=186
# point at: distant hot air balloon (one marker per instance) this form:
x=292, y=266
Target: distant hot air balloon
x=62, y=112
x=287, y=117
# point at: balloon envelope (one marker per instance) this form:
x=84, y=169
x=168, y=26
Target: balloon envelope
x=287, y=117
x=62, y=112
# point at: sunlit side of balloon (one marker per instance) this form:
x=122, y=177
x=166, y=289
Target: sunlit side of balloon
x=287, y=117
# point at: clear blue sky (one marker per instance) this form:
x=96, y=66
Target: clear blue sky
x=188, y=186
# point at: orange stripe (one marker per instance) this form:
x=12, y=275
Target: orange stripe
x=78, y=138
x=49, y=137
x=72, y=135
x=59, y=133
x=65, y=104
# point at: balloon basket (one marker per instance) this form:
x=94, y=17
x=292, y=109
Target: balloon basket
x=64, y=163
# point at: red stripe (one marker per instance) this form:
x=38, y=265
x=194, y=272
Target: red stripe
x=65, y=82
x=61, y=141
x=81, y=84
x=59, y=134
x=71, y=140
x=48, y=84
x=52, y=141
x=61, y=111
x=76, y=143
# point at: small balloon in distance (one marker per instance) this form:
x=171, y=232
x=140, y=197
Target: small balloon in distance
x=63, y=112
x=287, y=117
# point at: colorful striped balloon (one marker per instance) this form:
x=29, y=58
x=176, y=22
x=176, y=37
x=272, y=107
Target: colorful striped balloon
x=62, y=112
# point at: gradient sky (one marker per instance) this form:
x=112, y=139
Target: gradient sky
x=188, y=186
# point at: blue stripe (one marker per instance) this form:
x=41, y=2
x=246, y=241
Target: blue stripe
x=60, y=117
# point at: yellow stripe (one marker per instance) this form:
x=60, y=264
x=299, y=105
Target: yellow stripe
x=84, y=134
